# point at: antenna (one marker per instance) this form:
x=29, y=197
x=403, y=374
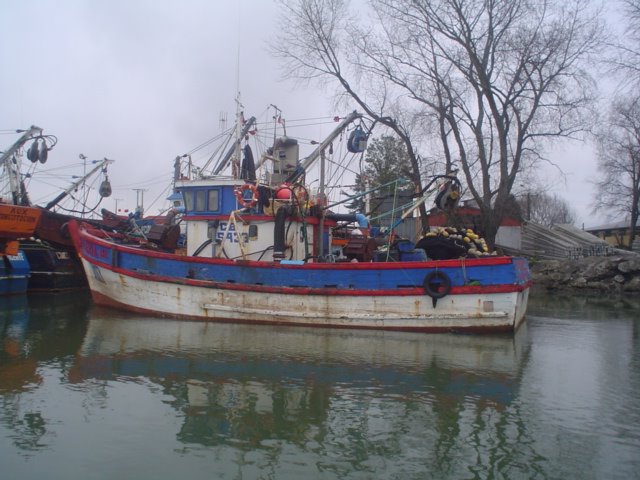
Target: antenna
x=276, y=116
x=239, y=29
x=222, y=121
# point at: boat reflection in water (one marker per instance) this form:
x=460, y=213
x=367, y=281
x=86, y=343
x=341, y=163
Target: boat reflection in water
x=35, y=330
x=36, y=333
x=248, y=385
x=16, y=371
x=137, y=397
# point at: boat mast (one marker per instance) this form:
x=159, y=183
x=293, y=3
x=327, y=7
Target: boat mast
x=235, y=148
x=13, y=171
x=235, y=169
x=321, y=197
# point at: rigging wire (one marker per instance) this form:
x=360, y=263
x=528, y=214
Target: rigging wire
x=260, y=137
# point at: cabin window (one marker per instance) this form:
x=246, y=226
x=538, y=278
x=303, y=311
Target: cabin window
x=188, y=200
x=214, y=201
x=201, y=200
x=201, y=205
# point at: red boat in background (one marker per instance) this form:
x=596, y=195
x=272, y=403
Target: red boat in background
x=47, y=247
x=15, y=223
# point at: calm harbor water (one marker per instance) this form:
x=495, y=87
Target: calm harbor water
x=93, y=393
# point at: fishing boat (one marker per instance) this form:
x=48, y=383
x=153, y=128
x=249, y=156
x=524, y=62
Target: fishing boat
x=48, y=249
x=16, y=222
x=264, y=251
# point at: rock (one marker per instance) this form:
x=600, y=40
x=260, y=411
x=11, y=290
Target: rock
x=628, y=266
x=601, y=268
x=633, y=285
x=602, y=274
x=579, y=282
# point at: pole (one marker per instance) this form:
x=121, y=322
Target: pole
x=225, y=160
x=13, y=171
x=307, y=162
x=99, y=164
x=322, y=211
x=140, y=200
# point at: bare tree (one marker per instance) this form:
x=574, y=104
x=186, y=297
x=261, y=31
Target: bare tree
x=545, y=209
x=490, y=79
x=619, y=163
x=315, y=43
x=626, y=57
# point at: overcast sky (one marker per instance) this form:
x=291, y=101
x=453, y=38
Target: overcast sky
x=138, y=81
x=143, y=81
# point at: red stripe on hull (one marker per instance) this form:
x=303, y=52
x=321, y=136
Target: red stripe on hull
x=455, y=263
x=460, y=290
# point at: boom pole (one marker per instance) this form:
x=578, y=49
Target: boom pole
x=77, y=183
x=313, y=157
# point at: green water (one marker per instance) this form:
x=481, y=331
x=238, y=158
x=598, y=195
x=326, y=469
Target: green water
x=92, y=393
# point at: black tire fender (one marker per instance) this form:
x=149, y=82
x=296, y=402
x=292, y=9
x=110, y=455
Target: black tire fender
x=437, y=284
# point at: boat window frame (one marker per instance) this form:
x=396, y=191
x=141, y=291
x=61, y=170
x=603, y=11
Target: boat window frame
x=202, y=200
x=188, y=200
x=213, y=203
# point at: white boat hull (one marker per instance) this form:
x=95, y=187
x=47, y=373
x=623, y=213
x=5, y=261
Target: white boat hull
x=502, y=311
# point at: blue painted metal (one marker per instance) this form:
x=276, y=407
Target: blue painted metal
x=14, y=274
x=345, y=276
x=198, y=200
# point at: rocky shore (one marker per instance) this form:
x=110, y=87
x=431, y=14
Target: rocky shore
x=616, y=273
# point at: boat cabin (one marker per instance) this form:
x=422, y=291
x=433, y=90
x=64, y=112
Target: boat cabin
x=230, y=218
